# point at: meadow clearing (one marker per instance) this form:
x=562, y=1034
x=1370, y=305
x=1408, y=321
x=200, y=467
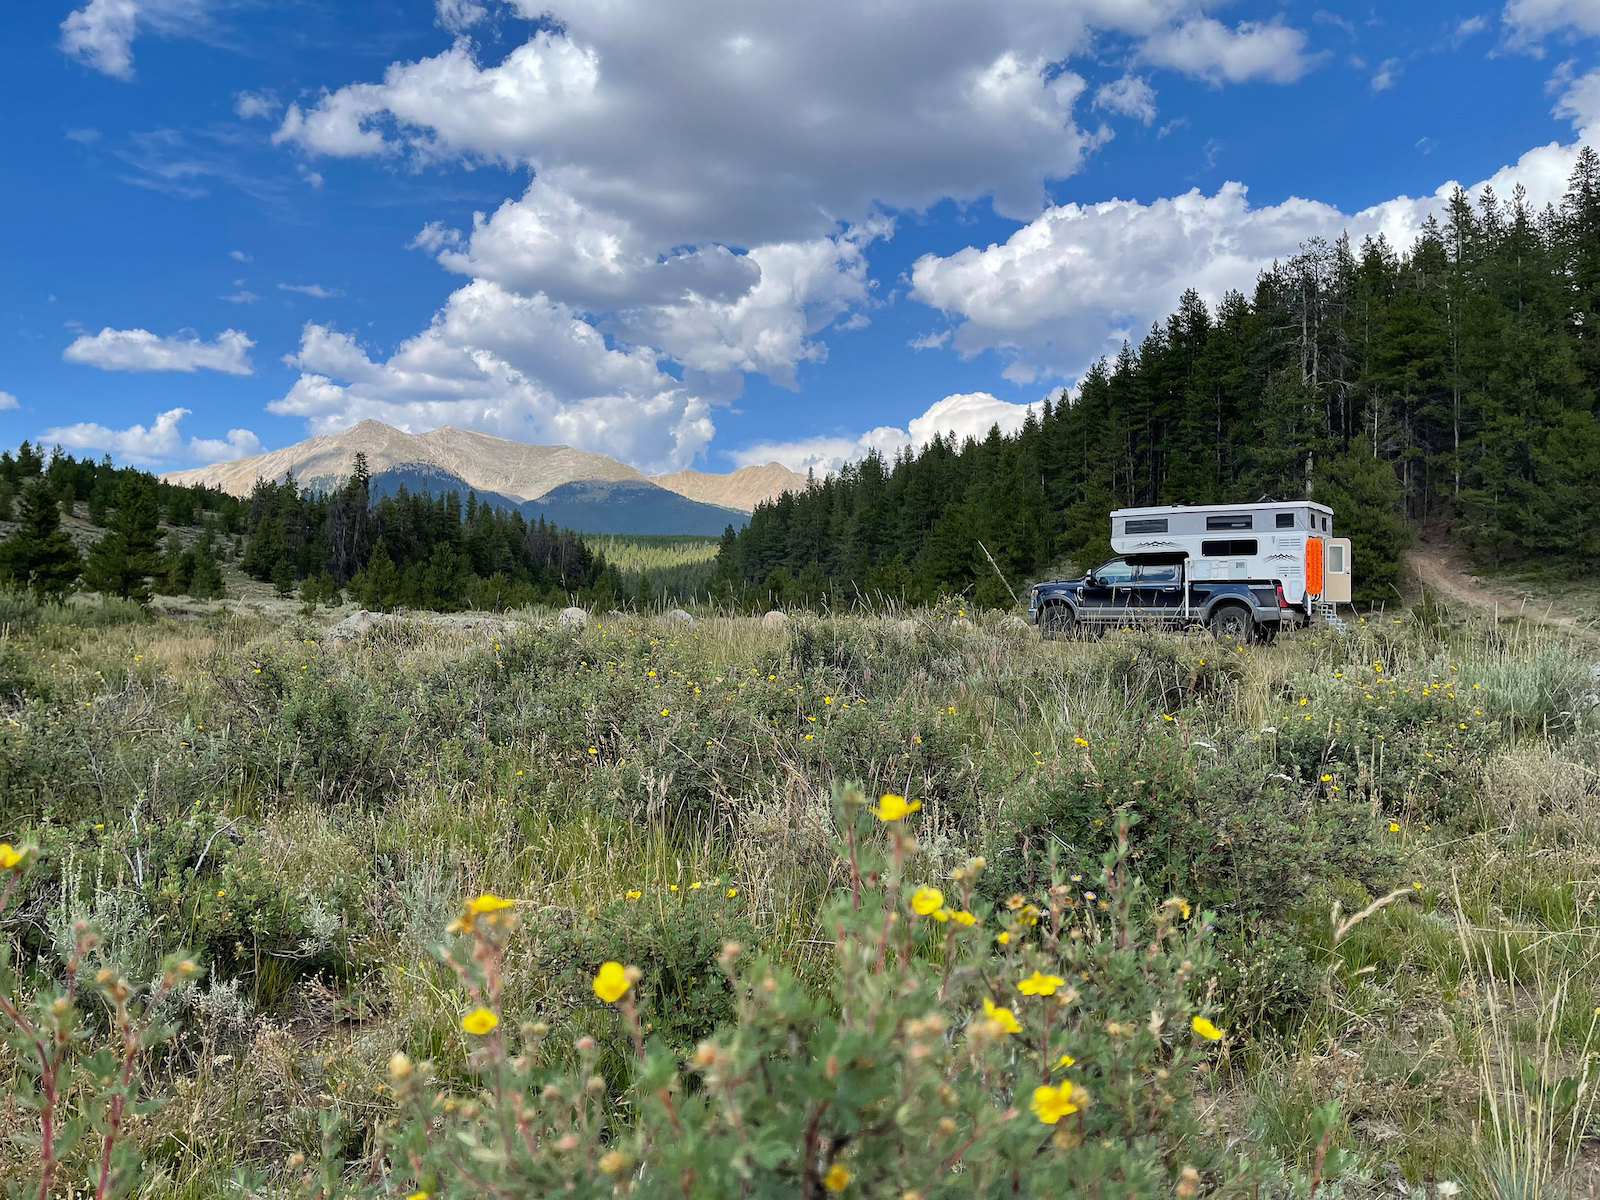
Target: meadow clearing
x=1155, y=915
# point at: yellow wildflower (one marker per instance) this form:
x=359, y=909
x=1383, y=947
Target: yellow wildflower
x=9, y=857
x=732, y=892
x=1040, y=985
x=926, y=900
x=1002, y=937
x=632, y=895
x=1206, y=1029
x=1066, y=1060
x=1050, y=1104
x=837, y=1178
x=1394, y=827
x=611, y=983
x=479, y=1021
x=893, y=808
x=1004, y=1020
x=964, y=918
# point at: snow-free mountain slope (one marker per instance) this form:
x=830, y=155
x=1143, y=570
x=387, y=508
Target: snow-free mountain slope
x=493, y=464
x=744, y=488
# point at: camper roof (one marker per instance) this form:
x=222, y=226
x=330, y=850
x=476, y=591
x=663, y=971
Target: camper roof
x=1161, y=510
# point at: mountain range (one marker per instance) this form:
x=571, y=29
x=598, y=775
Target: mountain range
x=579, y=489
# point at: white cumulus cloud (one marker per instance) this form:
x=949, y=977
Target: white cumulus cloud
x=1077, y=281
x=963, y=416
x=7, y=400
x=141, y=350
x=1530, y=21
x=1131, y=96
x=101, y=34
x=158, y=443
x=1207, y=49
x=520, y=366
x=747, y=124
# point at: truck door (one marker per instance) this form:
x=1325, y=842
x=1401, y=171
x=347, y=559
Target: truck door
x=1158, y=591
x=1105, y=593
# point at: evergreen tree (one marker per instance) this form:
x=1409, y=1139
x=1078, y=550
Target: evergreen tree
x=378, y=585
x=205, y=576
x=39, y=555
x=123, y=560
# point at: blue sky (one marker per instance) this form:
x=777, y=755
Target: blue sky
x=698, y=232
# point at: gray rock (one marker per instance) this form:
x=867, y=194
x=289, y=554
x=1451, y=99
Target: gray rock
x=572, y=618
x=1014, y=624
x=677, y=617
x=359, y=622
x=775, y=620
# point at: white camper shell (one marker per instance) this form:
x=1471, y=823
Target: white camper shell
x=1263, y=543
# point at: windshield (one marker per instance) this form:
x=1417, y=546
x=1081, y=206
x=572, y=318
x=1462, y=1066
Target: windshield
x=1115, y=571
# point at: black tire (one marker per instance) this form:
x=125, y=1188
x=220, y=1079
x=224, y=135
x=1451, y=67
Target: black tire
x=1055, y=622
x=1232, y=623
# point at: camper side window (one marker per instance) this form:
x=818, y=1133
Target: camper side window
x=1239, y=548
x=1285, y=520
x=1135, y=525
x=1239, y=521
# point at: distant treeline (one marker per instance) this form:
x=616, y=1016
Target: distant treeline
x=415, y=550
x=128, y=559
x=412, y=550
x=1453, y=383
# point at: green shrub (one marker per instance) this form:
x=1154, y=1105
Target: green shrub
x=938, y=1063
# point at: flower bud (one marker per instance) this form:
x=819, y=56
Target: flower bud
x=400, y=1066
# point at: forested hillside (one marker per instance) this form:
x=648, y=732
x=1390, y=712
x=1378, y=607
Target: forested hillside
x=1452, y=382
x=68, y=523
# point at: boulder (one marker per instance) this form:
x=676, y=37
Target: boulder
x=677, y=617
x=572, y=618
x=775, y=620
x=1014, y=624
x=359, y=622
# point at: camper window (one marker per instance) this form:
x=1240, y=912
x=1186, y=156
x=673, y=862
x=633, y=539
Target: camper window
x=1145, y=525
x=1240, y=548
x=1239, y=521
x=1285, y=520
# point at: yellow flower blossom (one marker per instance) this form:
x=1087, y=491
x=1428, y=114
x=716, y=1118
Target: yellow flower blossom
x=1002, y=1018
x=837, y=1178
x=926, y=900
x=1206, y=1029
x=1394, y=827
x=893, y=808
x=1002, y=937
x=1040, y=985
x=8, y=857
x=479, y=1021
x=1066, y=1060
x=964, y=918
x=732, y=892
x=611, y=983
x=632, y=895
x=1050, y=1104
x=1078, y=741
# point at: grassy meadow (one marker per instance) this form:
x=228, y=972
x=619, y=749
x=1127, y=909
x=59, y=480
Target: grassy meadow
x=247, y=840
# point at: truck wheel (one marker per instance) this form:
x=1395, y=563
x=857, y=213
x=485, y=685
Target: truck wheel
x=1233, y=623
x=1055, y=622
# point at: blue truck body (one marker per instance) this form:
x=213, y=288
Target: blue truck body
x=1155, y=590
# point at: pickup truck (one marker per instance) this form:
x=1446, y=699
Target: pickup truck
x=1153, y=589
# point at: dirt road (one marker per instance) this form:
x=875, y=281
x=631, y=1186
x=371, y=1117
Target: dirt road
x=1447, y=578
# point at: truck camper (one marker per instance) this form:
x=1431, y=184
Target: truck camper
x=1247, y=571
